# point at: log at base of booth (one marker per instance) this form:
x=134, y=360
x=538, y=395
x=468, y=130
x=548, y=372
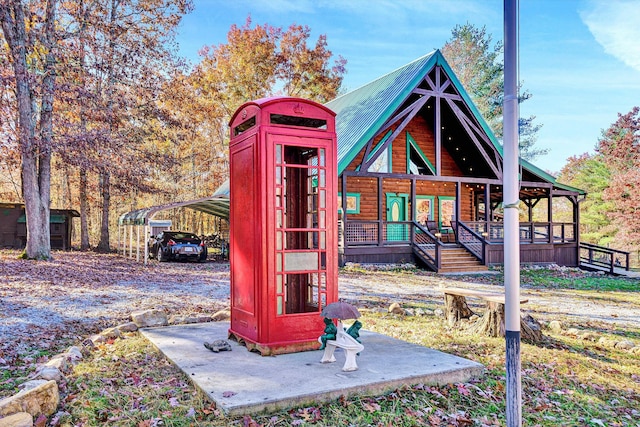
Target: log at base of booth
x=273, y=349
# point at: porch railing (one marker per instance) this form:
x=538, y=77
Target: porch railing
x=530, y=232
x=603, y=258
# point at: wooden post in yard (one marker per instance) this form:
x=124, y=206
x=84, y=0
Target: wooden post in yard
x=511, y=213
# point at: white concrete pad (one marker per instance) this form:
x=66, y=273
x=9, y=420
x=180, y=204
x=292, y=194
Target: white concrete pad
x=241, y=382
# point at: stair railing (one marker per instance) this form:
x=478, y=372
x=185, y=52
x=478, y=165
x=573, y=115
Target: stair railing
x=602, y=257
x=473, y=242
x=427, y=246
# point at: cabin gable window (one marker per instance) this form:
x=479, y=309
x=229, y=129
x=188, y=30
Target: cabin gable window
x=382, y=164
x=417, y=161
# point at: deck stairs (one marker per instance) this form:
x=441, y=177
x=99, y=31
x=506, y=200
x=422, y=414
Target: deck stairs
x=454, y=259
x=457, y=259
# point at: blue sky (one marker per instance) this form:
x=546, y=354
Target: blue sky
x=579, y=58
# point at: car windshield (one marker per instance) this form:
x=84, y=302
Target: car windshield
x=183, y=236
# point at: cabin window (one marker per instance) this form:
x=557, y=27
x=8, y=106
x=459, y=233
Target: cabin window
x=417, y=161
x=353, y=203
x=446, y=211
x=383, y=158
x=424, y=209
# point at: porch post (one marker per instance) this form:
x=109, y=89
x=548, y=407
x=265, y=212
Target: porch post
x=550, y=215
x=381, y=209
x=488, y=211
x=438, y=127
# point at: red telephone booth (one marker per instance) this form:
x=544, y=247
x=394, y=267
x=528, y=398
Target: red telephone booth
x=283, y=223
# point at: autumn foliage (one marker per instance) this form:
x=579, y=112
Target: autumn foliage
x=122, y=122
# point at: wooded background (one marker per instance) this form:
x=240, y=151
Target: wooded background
x=101, y=115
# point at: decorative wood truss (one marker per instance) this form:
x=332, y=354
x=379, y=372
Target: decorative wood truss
x=437, y=88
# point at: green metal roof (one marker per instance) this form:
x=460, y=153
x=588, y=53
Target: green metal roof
x=217, y=204
x=361, y=112
x=53, y=219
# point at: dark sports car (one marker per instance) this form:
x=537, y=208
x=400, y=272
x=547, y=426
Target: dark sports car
x=177, y=245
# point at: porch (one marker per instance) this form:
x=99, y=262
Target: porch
x=474, y=245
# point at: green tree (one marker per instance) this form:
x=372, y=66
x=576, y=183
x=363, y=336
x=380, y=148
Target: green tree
x=620, y=150
x=590, y=173
x=477, y=62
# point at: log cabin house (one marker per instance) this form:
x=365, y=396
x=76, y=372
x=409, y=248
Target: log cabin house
x=420, y=178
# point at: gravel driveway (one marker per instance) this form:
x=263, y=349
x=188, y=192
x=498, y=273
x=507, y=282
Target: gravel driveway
x=81, y=293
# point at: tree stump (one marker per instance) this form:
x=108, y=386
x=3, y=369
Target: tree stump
x=456, y=308
x=491, y=323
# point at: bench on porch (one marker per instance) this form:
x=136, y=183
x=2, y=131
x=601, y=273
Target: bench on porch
x=492, y=322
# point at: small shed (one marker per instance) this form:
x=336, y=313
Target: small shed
x=13, y=226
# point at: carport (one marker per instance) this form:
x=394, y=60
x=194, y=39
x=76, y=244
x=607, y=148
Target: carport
x=131, y=223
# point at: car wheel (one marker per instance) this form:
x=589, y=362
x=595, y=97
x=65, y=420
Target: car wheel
x=160, y=256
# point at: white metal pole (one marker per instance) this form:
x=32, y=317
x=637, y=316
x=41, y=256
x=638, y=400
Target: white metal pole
x=511, y=201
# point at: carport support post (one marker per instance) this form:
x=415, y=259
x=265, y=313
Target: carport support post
x=131, y=241
x=511, y=216
x=146, y=247
x=138, y=242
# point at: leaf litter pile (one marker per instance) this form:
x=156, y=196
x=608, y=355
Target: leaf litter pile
x=566, y=379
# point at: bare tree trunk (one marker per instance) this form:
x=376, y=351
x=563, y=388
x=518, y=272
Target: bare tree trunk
x=84, y=224
x=35, y=155
x=103, y=244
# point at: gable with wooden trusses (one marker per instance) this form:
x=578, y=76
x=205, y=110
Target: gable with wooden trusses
x=384, y=113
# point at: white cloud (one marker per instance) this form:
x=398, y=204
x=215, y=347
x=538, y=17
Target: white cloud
x=614, y=25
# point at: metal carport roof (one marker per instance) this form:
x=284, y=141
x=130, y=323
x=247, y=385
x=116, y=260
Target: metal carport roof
x=216, y=204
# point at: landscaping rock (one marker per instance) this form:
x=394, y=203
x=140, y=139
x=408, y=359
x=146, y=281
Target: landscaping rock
x=59, y=361
x=589, y=336
x=149, y=318
x=49, y=373
x=74, y=353
x=37, y=397
x=438, y=312
x=625, y=345
x=111, y=333
x=21, y=419
x=179, y=319
x=573, y=331
x=555, y=326
x=395, y=308
x=408, y=312
x=127, y=327
x=221, y=315
x=98, y=339
x=606, y=342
